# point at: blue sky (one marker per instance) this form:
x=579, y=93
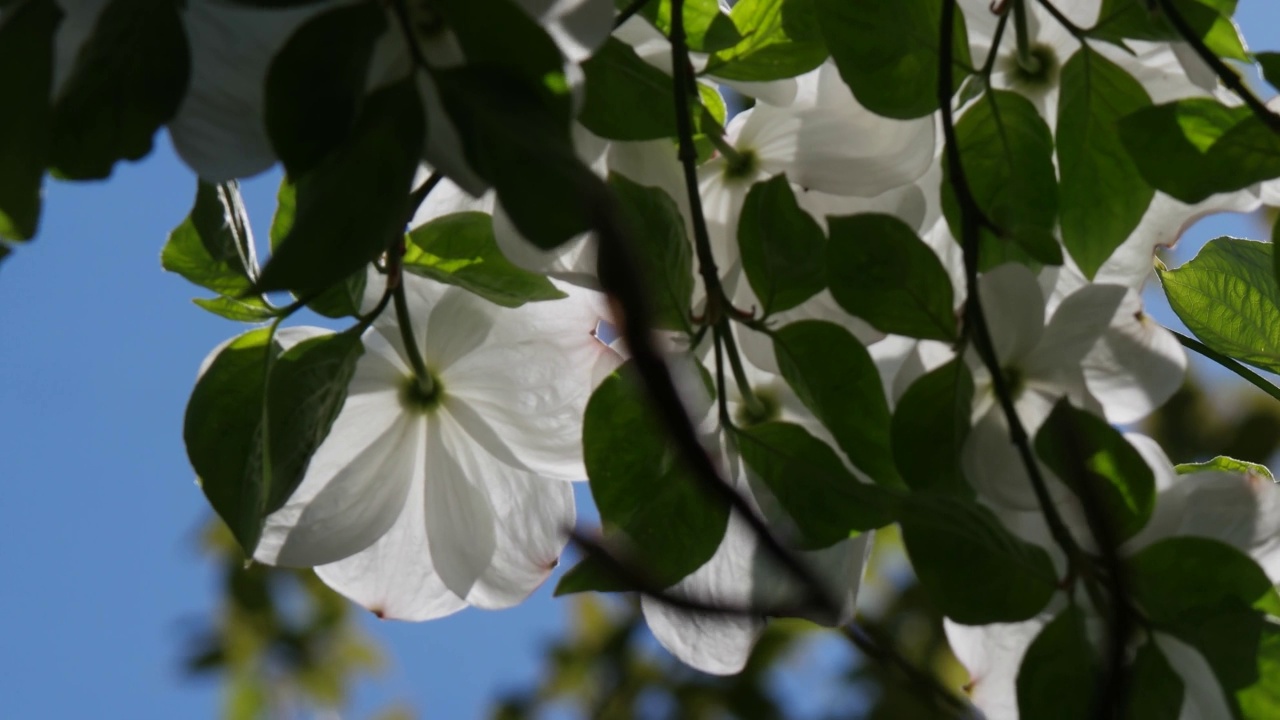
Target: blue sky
x=99, y=510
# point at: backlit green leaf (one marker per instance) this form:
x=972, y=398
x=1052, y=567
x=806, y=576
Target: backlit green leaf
x=782, y=247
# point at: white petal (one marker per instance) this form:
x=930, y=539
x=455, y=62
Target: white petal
x=220, y=129
x=991, y=461
x=1077, y=324
x=394, y=578
x=354, y=489
x=1014, y=308
x=993, y=654
x=1203, y=698
x=530, y=515
x=714, y=643
x=1136, y=366
x=523, y=391
x=1241, y=509
x=578, y=27
x=460, y=520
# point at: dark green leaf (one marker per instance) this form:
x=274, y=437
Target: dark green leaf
x=1059, y=676
x=341, y=299
x=1228, y=296
x=286, y=209
x=782, y=247
x=706, y=28
x=517, y=138
x=974, y=570
x=26, y=80
x=826, y=501
x=316, y=82
x=459, y=249
x=1100, y=466
x=1007, y=151
x=212, y=247
x=128, y=80
x=591, y=575
x=626, y=98
x=308, y=387
x=930, y=425
x=1140, y=20
x=1103, y=195
x=1178, y=574
x=523, y=45
x=642, y=487
x=879, y=270
x=1194, y=148
x=1155, y=689
x=887, y=52
x=1270, y=63
x=352, y=205
x=781, y=39
x=222, y=433
x=662, y=249
x=834, y=376
x=1242, y=646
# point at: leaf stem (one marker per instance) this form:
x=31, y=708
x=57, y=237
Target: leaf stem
x=1230, y=78
x=1233, y=365
x=1028, y=61
x=1076, y=31
x=426, y=385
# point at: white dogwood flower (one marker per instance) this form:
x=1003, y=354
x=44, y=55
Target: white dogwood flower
x=416, y=505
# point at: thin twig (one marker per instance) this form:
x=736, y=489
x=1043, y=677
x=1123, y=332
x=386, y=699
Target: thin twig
x=1230, y=78
x=1233, y=365
x=1078, y=32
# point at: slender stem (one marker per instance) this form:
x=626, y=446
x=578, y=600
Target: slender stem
x=425, y=383
x=1233, y=365
x=975, y=318
x=725, y=333
x=627, y=12
x=994, y=51
x=1029, y=62
x=1078, y=32
x=1230, y=78
x=723, y=146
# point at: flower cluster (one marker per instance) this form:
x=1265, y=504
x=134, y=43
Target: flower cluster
x=880, y=337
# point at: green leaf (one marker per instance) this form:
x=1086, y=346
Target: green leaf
x=1216, y=598
x=626, y=98
x=879, y=270
x=591, y=575
x=1270, y=64
x=642, y=487
x=782, y=247
x=316, y=82
x=352, y=205
x=1226, y=465
x=1103, y=195
x=307, y=389
x=517, y=138
x=826, y=501
x=1007, y=152
x=341, y=299
x=887, y=52
x=522, y=46
x=251, y=309
x=1227, y=295
x=1059, y=675
x=459, y=249
x=930, y=425
x=662, y=248
x=212, y=247
x=128, y=79
x=974, y=570
x=781, y=39
x=1100, y=466
x=26, y=79
x=1119, y=20
x=222, y=433
x=706, y=29
x=1156, y=691
x=1179, y=574
x=835, y=377
x=1194, y=148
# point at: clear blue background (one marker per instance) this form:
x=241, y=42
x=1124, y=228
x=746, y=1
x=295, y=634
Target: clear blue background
x=100, y=577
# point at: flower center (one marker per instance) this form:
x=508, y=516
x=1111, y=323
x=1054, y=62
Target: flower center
x=743, y=166
x=414, y=398
x=1038, y=72
x=765, y=408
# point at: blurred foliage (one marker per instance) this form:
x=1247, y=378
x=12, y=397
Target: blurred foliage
x=284, y=645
